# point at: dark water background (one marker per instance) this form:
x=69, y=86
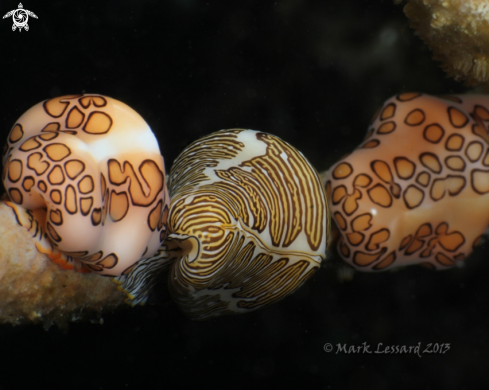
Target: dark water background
x=311, y=72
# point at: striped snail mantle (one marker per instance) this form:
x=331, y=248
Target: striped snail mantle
x=248, y=223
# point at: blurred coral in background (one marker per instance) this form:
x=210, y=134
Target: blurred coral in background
x=457, y=31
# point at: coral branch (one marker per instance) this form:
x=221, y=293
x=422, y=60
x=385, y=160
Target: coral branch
x=35, y=290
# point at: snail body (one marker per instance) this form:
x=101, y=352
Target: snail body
x=417, y=189
x=85, y=176
x=247, y=224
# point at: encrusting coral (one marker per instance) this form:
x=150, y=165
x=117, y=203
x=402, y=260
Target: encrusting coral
x=457, y=31
x=35, y=290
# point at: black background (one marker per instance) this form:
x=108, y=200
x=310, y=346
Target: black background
x=311, y=72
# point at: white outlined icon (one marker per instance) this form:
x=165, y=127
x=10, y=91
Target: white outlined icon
x=20, y=16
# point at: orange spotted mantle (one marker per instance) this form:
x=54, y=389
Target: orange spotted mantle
x=417, y=189
x=85, y=176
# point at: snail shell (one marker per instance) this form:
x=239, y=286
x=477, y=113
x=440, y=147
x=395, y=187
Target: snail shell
x=417, y=189
x=84, y=174
x=247, y=224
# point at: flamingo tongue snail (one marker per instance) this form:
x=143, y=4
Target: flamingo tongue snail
x=247, y=224
x=417, y=189
x=85, y=176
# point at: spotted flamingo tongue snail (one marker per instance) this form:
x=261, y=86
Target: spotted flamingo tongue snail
x=85, y=176
x=417, y=189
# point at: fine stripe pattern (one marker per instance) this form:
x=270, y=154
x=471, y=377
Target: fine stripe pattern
x=248, y=223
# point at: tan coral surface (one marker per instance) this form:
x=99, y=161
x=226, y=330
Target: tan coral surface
x=457, y=31
x=34, y=290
